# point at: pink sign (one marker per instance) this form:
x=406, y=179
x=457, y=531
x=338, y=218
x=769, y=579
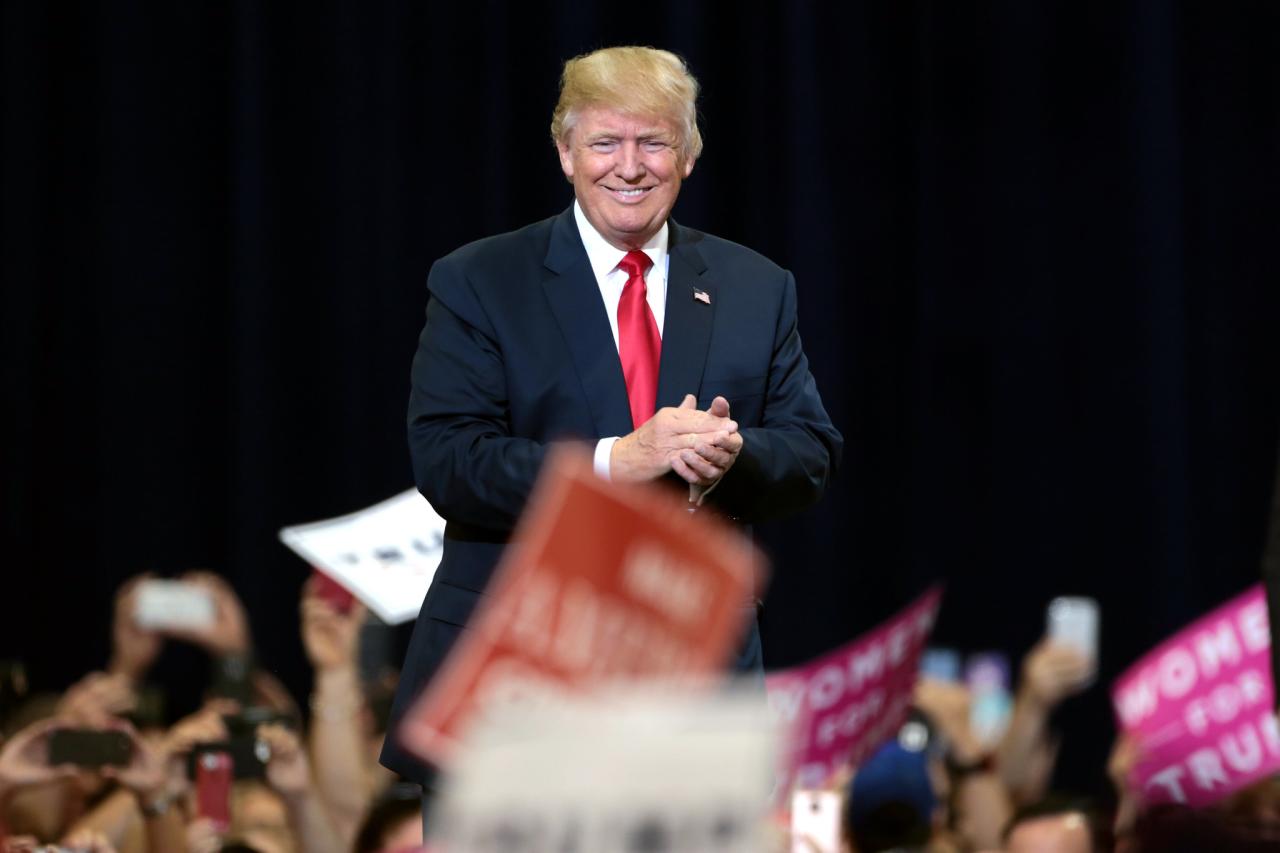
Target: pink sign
x=844, y=705
x=1199, y=707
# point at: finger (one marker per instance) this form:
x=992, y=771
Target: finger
x=719, y=407
x=684, y=472
x=704, y=469
x=714, y=455
x=689, y=402
x=730, y=441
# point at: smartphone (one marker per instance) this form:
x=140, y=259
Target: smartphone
x=815, y=822
x=333, y=592
x=89, y=748
x=1073, y=621
x=248, y=756
x=987, y=675
x=213, y=779
x=940, y=663
x=173, y=604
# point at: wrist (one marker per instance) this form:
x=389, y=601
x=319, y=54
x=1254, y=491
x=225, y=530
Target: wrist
x=341, y=679
x=1034, y=701
x=132, y=670
x=155, y=803
x=965, y=764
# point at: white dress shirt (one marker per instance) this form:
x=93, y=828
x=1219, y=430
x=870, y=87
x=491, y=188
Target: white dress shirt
x=604, y=260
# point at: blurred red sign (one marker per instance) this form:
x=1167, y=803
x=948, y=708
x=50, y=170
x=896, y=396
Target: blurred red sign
x=601, y=582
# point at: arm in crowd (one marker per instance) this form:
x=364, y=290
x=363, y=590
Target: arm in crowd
x=1050, y=673
x=980, y=804
x=337, y=740
x=289, y=773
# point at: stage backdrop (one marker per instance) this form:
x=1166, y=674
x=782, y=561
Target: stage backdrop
x=1035, y=247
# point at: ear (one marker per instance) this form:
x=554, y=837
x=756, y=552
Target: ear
x=688, y=166
x=566, y=157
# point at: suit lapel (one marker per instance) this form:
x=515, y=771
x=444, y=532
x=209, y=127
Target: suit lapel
x=574, y=296
x=686, y=329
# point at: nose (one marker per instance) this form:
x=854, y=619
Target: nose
x=630, y=164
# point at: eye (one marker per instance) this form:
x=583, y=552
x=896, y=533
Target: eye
x=604, y=146
x=653, y=146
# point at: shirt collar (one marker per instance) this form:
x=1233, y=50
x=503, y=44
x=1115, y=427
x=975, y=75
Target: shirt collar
x=604, y=258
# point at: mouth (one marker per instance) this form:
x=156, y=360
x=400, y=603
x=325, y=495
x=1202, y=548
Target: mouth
x=629, y=195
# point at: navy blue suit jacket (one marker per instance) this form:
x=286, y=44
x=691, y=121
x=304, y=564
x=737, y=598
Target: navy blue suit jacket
x=517, y=353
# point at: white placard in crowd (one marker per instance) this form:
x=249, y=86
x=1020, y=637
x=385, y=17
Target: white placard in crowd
x=667, y=774
x=385, y=555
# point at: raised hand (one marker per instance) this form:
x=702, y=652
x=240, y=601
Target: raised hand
x=96, y=700
x=24, y=759
x=647, y=453
x=1053, y=671
x=229, y=633
x=86, y=841
x=947, y=705
x=146, y=774
x=133, y=649
x=203, y=836
x=287, y=770
x=330, y=638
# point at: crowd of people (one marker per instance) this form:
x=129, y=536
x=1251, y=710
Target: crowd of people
x=301, y=781
x=310, y=781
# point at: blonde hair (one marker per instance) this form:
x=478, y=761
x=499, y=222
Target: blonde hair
x=636, y=80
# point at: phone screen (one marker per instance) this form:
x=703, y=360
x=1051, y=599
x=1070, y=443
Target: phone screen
x=173, y=604
x=1073, y=621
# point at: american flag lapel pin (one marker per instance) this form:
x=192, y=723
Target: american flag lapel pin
x=702, y=296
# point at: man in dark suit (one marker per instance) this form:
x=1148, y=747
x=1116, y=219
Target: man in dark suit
x=671, y=352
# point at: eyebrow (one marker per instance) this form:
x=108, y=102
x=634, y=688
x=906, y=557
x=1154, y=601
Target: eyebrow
x=643, y=135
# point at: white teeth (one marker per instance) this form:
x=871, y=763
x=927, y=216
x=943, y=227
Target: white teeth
x=629, y=192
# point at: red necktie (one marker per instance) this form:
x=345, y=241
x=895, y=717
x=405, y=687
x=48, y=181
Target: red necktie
x=639, y=344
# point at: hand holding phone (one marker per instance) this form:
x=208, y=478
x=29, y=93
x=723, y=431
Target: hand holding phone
x=328, y=589
x=815, y=822
x=24, y=758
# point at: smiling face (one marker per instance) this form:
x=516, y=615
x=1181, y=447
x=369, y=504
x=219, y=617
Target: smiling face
x=626, y=172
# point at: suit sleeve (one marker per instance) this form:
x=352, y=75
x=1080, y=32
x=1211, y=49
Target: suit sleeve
x=785, y=462
x=465, y=460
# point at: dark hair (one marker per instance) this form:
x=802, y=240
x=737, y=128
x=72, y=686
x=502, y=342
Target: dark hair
x=1177, y=829
x=1059, y=805
x=396, y=805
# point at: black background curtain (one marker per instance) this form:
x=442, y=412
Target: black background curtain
x=1034, y=242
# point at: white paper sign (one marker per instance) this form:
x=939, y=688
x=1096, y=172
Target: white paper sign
x=385, y=555
x=673, y=774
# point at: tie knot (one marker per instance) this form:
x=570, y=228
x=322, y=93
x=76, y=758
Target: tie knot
x=635, y=263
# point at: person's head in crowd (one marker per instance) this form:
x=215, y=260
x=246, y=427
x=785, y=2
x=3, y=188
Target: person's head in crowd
x=1258, y=803
x=1179, y=829
x=897, y=796
x=394, y=822
x=1057, y=825
x=627, y=133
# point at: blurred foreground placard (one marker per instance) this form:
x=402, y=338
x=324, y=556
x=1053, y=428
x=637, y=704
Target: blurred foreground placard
x=663, y=773
x=385, y=555
x=601, y=582
x=842, y=706
x=1200, y=705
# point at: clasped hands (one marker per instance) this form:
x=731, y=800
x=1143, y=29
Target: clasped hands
x=699, y=446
